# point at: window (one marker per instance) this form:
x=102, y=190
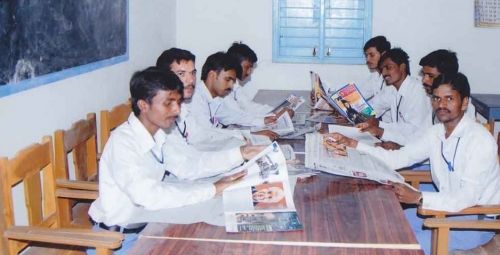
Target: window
x=321, y=31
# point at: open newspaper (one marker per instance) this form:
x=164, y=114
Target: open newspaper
x=319, y=93
x=350, y=102
x=355, y=164
x=282, y=126
x=354, y=133
x=263, y=200
x=292, y=101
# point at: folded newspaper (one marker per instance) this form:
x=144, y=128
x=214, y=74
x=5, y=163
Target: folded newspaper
x=355, y=164
x=282, y=126
x=350, y=102
x=292, y=102
x=263, y=200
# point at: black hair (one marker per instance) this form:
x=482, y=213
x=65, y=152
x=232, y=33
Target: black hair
x=457, y=81
x=242, y=52
x=220, y=61
x=168, y=57
x=379, y=42
x=445, y=61
x=398, y=56
x=145, y=85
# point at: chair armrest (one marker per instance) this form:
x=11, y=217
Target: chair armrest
x=467, y=224
x=82, y=185
x=479, y=209
x=77, y=194
x=76, y=237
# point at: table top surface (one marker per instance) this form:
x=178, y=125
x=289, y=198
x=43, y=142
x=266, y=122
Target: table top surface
x=339, y=215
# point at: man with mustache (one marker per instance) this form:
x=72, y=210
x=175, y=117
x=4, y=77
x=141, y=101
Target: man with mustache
x=463, y=156
x=133, y=175
x=409, y=105
x=374, y=89
x=184, y=160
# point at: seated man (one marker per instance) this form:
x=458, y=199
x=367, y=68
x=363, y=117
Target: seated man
x=188, y=162
x=463, y=157
x=132, y=168
x=409, y=105
x=238, y=108
x=374, y=89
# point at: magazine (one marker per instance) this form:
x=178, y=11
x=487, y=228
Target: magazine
x=282, y=126
x=319, y=93
x=350, y=102
x=263, y=200
x=292, y=101
x=356, y=164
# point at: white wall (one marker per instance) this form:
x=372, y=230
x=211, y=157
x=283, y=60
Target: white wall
x=29, y=115
x=419, y=27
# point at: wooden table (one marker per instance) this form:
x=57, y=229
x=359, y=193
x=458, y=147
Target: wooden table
x=340, y=216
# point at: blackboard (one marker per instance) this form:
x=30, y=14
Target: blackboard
x=46, y=40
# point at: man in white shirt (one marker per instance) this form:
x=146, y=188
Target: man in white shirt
x=184, y=160
x=463, y=156
x=374, y=90
x=239, y=108
x=434, y=64
x=132, y=169
x=409, y=105
x=219, y=74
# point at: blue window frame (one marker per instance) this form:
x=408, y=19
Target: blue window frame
x=321, y=31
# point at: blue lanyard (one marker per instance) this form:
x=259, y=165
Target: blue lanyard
x=397, y=108
x=183, y=132
x=451, y=165
x=213, y=120
x=161, y=153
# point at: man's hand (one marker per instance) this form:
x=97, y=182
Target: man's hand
x=372, y=129
x=227, y=181
x=285, y=109
x=389, y=145
x=270, y=119
x=250, y=151
x=406, y=194
x=273, y=136
x=338, y=143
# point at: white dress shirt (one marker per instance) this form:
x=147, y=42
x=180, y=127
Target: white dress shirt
x=130, y=177
x=237, y=108
x=409, y=111
x=379, y=95
x=202, y=126
x=471, y=151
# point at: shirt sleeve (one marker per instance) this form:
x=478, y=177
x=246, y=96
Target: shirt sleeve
x=472, y=183
x=144, y=187
x=231, y=113
x=188, y=163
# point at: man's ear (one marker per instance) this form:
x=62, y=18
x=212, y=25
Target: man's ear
x=465, y=103
x=143, y=105
x=403, y=65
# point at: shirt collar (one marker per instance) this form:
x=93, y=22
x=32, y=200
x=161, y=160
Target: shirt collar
x=145, y=141
x=206, y=93
x=458, y=131
x=405, y=86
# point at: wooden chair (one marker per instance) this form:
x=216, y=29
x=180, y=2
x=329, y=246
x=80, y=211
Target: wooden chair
x=441, y=226
x=33, y=167
x=81, y=141
x=112, y=119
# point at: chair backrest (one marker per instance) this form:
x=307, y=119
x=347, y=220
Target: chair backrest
x=112, y=119
x=81, y=141
x=33, y=167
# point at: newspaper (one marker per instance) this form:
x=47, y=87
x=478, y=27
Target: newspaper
x=355, y=164
x=292, y=102
x=263, y=200
x=354, y=133
x=282, y=126
x=319, y=93
x=350, y=102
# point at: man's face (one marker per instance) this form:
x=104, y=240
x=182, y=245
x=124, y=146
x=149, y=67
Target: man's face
x=372, y=57
x=223, y=83
x=186, y=72
x=428, y=75
x=246, y=69
x=447, y=104
x=393, y=73
x=162, y=111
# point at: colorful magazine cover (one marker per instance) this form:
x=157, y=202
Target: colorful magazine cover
x=350, y=102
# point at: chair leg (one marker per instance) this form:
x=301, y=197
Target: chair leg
x=103, y=251
x=442, y=241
